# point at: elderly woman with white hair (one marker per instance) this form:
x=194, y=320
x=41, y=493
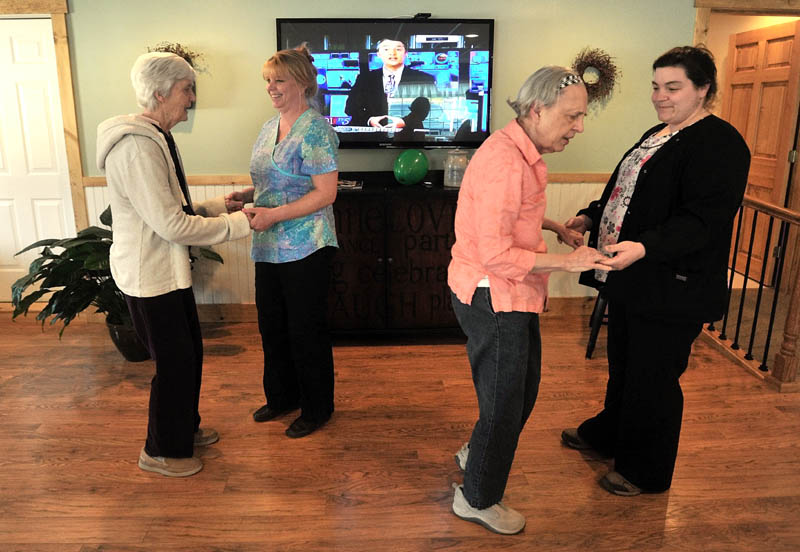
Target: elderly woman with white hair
x=155, y=222
x=498, y=279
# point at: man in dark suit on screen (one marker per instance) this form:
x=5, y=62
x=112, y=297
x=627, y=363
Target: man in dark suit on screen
x=368, y=103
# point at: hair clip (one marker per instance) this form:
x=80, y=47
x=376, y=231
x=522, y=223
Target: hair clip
x=568, y=79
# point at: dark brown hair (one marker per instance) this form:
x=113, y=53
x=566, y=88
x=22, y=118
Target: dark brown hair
x=698, y=62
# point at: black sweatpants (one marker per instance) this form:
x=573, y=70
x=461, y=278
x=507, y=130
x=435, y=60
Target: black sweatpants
x=640, y=423
x=169, y=326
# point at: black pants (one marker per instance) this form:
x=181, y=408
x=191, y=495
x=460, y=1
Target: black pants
x=168, y=325
x=640, y=423
x=292, y=304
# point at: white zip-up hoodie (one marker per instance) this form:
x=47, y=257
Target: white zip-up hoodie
x=149, y=256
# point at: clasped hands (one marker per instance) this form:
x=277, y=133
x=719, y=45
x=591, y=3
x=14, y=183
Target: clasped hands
x=260, y=218
x=625, y=253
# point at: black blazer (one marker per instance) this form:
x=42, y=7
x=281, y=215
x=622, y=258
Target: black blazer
x=367, y=98
x=682, y=211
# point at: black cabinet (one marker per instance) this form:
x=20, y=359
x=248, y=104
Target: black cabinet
x=390, y=272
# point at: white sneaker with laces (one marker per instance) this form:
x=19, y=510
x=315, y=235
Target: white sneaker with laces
x=461, y=456
x=498, y=517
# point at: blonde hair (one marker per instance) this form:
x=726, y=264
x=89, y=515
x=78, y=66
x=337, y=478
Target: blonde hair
x=296, y=63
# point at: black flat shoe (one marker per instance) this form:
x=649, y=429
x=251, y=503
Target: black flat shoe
x=614, y=483
x=571, y=439
x=302, y=427
x=267, y=413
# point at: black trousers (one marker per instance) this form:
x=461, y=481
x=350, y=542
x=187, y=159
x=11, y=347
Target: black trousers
x=640, y=423
x=168, y=325
x=292, y=305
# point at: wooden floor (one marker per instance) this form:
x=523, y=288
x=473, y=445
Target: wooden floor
x=379, y=476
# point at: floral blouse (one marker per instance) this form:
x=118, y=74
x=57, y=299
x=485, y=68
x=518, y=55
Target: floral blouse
x=620, y=198
x=281, y=173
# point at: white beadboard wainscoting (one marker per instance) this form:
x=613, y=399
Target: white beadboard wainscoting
x=232, y=282
x=564, y=199
x=214, y=283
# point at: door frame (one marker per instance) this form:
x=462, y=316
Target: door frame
x=57, y=10
x=703, y=10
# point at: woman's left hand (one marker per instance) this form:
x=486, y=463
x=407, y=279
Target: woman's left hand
x=627, y=253
x=568, y=236
x=261, y=218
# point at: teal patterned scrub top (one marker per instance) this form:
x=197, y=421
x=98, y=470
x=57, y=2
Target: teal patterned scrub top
x=281, y=174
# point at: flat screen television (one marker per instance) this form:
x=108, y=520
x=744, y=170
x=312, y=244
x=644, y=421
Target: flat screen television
x=400, y=82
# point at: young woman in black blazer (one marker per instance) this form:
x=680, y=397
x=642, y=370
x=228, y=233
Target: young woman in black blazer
x=665, y=218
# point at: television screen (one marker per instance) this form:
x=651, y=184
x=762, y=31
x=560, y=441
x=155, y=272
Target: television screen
x=400, y=82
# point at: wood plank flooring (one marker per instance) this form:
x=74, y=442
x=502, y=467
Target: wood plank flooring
x=379, y=476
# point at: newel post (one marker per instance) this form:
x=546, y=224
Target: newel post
x=787, y=360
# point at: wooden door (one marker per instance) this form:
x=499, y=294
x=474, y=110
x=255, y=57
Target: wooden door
x=761, y=100
x=35, y=199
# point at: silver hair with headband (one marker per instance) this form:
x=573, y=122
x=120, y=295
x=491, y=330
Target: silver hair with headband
x=543, y=88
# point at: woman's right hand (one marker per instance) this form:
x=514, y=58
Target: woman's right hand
x=568, y=236
x=235, y=201
x=580, y=224
x=262, y=218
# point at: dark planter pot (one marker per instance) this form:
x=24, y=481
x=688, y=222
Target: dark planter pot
x=127, y=342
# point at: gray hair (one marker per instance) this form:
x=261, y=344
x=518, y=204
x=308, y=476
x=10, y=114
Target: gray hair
x=543, y=88
x=155, y=73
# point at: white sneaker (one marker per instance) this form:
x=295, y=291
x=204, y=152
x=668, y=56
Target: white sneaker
x=498, y=518
x=171, y=467
x=461, y=456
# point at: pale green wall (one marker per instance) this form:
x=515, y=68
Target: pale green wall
x=236, y=36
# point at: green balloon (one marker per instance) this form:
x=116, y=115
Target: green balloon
x=410, y=167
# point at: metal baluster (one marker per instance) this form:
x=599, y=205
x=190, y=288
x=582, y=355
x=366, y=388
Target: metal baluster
x=733, y=273
x=749, y=355
x=783, y=238
x=735, y=344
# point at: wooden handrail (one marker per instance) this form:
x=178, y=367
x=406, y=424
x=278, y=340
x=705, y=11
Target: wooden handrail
x=787, y=360
x=781, y=213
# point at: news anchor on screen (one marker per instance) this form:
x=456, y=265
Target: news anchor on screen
x=368, y=101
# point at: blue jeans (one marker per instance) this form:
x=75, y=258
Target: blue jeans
x=505, y=354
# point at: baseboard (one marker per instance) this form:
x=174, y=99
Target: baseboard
x=556, y=306
x=569, y=306
x=227, y=313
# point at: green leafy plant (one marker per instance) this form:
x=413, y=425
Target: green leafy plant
x=76, y=274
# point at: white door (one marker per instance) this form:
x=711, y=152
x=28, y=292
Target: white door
x=35, y=200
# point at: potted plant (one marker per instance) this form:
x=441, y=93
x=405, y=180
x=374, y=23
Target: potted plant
x=76, y=273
